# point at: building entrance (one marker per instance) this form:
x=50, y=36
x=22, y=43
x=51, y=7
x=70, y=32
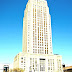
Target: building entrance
x=42, y=65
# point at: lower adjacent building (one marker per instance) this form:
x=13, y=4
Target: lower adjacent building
x=67, y=69
x=38, y=62
x=4, y=67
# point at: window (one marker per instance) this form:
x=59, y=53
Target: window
x=48, y=68
x=35, y=10
x=45, y=51
x=21, y=61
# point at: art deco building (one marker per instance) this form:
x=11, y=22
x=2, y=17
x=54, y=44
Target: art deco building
x=37, y=54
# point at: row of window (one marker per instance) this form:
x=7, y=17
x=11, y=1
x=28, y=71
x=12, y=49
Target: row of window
x=40, y=13
x=50, y=64
x=33, y=64
x=59, y=64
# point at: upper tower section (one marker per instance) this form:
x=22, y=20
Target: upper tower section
x=37, y=28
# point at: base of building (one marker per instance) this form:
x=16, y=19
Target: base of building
x=38, y=62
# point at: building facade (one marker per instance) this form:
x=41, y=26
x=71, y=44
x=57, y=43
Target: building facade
x=37, y=54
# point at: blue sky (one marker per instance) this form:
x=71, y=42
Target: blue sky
x=11, y=25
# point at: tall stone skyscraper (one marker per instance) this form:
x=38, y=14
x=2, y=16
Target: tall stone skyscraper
x=37, y=28
x=37, y=54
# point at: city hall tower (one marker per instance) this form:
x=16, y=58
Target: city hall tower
x=37, y=54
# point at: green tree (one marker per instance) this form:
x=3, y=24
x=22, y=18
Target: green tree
x=18, y=70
